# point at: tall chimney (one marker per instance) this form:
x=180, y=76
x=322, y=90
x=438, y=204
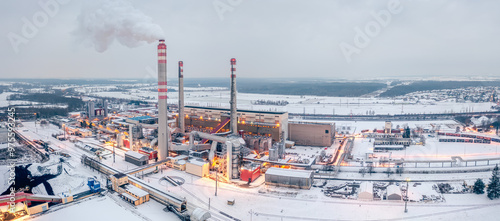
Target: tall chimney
x=163, y=133
x=181, y=97
x=234, y=116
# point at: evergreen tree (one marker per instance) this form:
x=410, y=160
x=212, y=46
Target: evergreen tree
x=494, y=185
x=478, y=187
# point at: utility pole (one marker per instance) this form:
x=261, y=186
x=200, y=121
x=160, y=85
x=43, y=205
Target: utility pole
x=406, y=201
x=216, y=178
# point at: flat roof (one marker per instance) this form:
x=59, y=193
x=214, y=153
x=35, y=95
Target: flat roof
x=135, y=190
x=135, y=154
x=129, y=196
x=289, y=172
x=146, y=117
x=119, y=175
x=198, y=162
x=238, y=110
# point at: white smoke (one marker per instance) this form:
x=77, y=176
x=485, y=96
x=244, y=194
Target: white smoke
x=103, y=21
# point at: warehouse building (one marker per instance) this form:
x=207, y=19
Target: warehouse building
x=393, y=193
x=135, y=158
x=133, y=194
x=128, y=192
x=301, y=179
x=365, y=191
x=311, y=134
x=198, y=167
x=141, y=120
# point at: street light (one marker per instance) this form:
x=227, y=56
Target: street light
x=406, y=201
x=216, y=176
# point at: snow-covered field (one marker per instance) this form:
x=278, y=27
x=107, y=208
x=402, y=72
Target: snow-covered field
x=308, y=104
x=4, y=102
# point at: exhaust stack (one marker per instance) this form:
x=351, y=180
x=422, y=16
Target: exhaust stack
x=163, y=133
x=181, y=97
x=234, y=114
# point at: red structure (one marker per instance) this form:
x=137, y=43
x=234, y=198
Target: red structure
x=250, y=172
x=28, y=198
x=152, y=154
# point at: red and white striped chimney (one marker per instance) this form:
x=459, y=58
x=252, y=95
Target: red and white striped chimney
x=234, y=114
x=163, y=133
x=181, y=97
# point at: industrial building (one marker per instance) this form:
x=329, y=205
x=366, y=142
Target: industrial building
x=393, y=193
x=216, y=120
x=198, y=167
x=97, y=109
x=128, y=192
x=250, y=172
x=365, y=191
x=301, y=179
x=136, y=158
x=311, y=134
x=177, y=162
x=141, y=120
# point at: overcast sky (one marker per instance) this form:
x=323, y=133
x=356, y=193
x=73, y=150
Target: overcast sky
x=269, y=38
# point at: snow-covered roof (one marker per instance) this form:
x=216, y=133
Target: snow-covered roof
x=198, y=162
x=289, y=172
x=130, y=197
x=135, y=154
x=366, y=187
x=393, y=189
x=135, y=190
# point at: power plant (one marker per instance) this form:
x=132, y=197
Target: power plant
x=226, y=145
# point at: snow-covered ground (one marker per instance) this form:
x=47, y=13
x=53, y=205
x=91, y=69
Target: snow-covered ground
x=108, y=208
x=254, y=203
x=433, y=150
x=4, y=102
x=215, y=97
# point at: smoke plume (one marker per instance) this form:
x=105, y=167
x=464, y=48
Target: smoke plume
x=102, y=22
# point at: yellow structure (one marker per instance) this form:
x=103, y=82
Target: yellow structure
x=134, y=195
x=37, y=209
x=178, y=162
x=128, y=192
x=198, y=167
x=67, y=199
